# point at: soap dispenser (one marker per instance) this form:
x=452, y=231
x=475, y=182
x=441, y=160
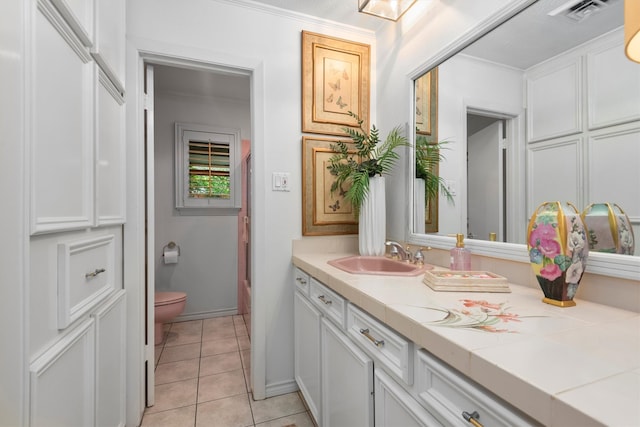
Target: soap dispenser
x=460, y=256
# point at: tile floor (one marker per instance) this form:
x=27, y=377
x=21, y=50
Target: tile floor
x=202, y=379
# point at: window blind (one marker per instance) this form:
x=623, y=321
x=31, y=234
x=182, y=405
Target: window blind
x=209, y=169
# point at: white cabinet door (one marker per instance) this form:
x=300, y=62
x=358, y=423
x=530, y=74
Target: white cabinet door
x=62, y=381
x=61, y=118
x=111, y=362
x=395, y=407
x=110, y=153
x=307, y=352
x=347, y=381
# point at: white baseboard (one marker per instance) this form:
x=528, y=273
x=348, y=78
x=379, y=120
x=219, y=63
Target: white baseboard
x=282, y=387
x=206, y=314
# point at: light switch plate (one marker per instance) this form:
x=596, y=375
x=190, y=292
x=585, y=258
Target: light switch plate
x=280, y=181
x=451, y=186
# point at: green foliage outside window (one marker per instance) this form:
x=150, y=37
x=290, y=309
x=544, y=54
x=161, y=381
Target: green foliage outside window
x=204, y=186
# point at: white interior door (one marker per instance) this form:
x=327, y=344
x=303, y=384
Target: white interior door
x=149, y=235
x=484, y=182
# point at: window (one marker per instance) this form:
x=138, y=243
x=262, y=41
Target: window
x=208, y=169
x=207, y=165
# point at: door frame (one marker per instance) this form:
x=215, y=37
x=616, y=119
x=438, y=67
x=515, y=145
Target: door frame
x=514, y=138
x=495, y=153
x=139, y=52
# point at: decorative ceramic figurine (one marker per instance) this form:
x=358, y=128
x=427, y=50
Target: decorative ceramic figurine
x=608, y=229
x=558, y=250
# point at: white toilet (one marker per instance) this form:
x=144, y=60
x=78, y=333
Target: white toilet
x=168, y=305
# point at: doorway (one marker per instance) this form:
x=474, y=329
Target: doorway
x=192, y=93
x=506, y=188
x=495, y=177
x=486, y=168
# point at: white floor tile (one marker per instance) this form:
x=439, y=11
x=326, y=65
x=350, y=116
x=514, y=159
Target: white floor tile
x=202, y=379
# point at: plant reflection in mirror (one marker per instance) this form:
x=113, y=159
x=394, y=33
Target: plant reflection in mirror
x=428, y=157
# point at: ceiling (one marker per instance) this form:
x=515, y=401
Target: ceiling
x=528, y=39
x=173, y=80
x=533, y=36
x=341, y=11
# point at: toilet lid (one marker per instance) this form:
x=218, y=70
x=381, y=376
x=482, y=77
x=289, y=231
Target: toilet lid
x=164, y=298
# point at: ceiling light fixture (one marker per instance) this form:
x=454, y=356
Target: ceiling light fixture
x=387, y=9
x=632, y=29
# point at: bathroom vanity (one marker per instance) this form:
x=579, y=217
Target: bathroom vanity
x=389, y=350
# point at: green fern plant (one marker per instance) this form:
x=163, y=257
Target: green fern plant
x=371, y=157
x=428, y=157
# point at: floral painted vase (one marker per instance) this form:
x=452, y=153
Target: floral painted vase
x=558, y=250
x=608, y=229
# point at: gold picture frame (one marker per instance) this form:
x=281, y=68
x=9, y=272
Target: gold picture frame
x=322, y=212
x=335, y=81
x=427, y=103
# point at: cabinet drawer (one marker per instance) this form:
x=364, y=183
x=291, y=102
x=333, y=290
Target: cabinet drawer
x=301, y=280
x=448, y=394
x=86, y=276
x=391, y=349
x=330, y=303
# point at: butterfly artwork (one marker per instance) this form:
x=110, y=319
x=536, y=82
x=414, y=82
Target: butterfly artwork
x=336, y=206
x=340, y=103
x=335, y=86
x=330, y=98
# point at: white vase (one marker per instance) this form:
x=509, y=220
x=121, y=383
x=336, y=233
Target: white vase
x=419, y=206
x=372, y=220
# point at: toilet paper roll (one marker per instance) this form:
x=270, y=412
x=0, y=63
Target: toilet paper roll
x=171, y=256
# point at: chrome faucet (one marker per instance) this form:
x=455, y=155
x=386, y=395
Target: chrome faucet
x=418, y=257
x=397, y=251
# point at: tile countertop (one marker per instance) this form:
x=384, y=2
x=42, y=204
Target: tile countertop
x=574, y=366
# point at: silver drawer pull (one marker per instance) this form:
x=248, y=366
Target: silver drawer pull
x=94, y=273
x=378, y=343
x=472, y=418
x=301, y=281
x=324, y=300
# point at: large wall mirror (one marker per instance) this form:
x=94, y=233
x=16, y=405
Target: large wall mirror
x=539, y=105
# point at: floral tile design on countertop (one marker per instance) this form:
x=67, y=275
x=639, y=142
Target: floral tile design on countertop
x=478, y=315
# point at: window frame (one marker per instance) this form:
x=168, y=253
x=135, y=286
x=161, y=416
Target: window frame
x=185, y=205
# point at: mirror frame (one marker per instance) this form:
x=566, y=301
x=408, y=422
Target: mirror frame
x=612, y=265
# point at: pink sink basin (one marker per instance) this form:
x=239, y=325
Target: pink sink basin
x=378, y=265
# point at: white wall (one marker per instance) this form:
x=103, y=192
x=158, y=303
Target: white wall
x=219, y=32
x=207, y=266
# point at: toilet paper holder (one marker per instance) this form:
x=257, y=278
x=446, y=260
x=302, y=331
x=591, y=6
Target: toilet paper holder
x=171, y=246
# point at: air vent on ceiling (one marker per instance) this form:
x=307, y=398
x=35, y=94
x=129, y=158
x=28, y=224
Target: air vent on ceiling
x=579, y=10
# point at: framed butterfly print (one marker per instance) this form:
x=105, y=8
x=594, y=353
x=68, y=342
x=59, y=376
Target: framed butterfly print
x=427, y=103
x=323, y=213
x=335, y=80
